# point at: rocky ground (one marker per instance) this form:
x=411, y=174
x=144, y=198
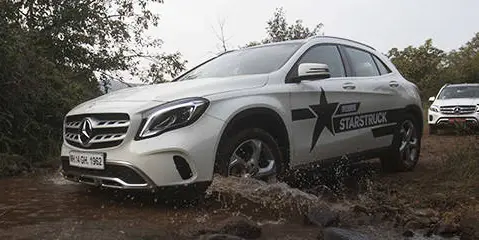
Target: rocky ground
x=439, y=199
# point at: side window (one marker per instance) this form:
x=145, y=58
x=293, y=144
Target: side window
x=327, y=54
x=362, y=63
x=383, y=69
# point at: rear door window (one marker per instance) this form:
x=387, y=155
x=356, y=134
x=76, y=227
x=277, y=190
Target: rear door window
x=362, y=63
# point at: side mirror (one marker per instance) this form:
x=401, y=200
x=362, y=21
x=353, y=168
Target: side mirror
x=312, y=71
x=432, y=99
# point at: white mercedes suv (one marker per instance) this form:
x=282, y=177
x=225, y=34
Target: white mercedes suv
x=454, y=104
x=255, y=112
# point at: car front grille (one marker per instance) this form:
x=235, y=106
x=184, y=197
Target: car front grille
x=94, y=131
x=458, y=110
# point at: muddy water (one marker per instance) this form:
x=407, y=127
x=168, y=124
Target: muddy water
x=48, y=207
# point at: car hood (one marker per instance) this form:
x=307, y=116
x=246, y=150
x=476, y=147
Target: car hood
x=456, y=102
x=138, y=98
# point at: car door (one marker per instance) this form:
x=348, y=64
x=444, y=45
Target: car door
x=316, y=135
x=378, y=95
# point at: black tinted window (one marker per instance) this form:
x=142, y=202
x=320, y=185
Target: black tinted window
x=383, y=69
x=327, y=54
x=362, y=63
x=257, y=60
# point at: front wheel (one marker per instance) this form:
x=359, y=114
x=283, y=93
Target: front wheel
x=432, y=129
x=251, y=152
x=404, y=154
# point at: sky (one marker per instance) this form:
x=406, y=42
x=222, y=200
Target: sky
x=188, y=26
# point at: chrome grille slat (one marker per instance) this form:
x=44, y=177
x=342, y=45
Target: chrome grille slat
x=458, y=109
x=104, y=130
x=111, y=124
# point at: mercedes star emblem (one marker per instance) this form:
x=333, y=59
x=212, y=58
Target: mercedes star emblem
x=86, y=131
x=457, y=110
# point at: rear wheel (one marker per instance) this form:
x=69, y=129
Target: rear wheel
x=250, y=152
x=404, y=154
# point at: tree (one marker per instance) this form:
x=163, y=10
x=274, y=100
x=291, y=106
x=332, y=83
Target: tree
x=463, y=64
x=430, y=68
x=423, y=65
x=54, y=53
x=278, y=29
x=103, y=36
x=220, y=35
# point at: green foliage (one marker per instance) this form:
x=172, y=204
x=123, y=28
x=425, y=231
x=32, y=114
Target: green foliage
x=423, y=65
x=54, y=53
x=430, y=68
x=279, y=30
x=463, y=64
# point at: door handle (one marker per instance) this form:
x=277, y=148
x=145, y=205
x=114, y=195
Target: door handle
x=349, y=86
x=393, y=84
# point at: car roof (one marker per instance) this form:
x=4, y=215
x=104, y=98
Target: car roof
x=462, y=84
x=319, y=37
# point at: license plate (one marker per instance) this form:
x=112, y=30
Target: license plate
x=458, y=120
x=87, y=160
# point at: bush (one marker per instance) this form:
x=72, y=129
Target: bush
x=11, y=165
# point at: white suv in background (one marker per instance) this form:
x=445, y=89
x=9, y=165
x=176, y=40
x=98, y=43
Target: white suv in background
x=255, y=112
x=454, y=104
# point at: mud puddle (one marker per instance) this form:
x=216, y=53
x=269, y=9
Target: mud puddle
x=48, y=207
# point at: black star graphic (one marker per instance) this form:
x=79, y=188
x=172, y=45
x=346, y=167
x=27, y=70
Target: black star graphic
x=324, y=112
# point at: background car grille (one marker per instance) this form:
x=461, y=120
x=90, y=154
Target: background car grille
x=462, y=109
x=107, y=130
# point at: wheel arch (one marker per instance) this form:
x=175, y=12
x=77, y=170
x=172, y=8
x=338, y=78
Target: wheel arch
x=265, y=118
x=416, y=111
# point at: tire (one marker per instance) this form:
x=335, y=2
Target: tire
x=238, y=142
x=432, y=129
x=397, y=160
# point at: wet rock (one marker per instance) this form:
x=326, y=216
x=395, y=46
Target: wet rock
x=428, y=212
x=323, y=192
x=239, y=226
x=219, y=237
x=342, y=234
x=408, y=233
x=361, y=209
x=469, y=228
x=365, y=219
x=321, y=217
x=418, y=223
x=446, y=230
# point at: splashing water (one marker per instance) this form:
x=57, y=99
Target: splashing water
x=279, y=199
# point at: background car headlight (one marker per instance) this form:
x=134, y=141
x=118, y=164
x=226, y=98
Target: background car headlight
x=477, y=108
x=171, y=115
x=434, y=108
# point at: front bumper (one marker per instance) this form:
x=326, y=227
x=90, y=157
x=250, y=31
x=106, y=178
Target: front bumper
x=179, y=157
x=440, y=120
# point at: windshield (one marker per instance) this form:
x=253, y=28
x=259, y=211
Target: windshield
x=460, y=92
x=257, y=60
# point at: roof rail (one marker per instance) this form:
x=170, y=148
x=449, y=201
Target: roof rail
x=340, y=38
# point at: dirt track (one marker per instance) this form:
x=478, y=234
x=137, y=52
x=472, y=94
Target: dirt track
x=48, y=207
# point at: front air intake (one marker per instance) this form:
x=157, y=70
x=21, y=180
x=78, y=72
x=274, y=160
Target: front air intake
x=183, y=167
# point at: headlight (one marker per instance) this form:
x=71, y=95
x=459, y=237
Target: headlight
x=434, y=108
x=171, y=115
x=477, y=108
